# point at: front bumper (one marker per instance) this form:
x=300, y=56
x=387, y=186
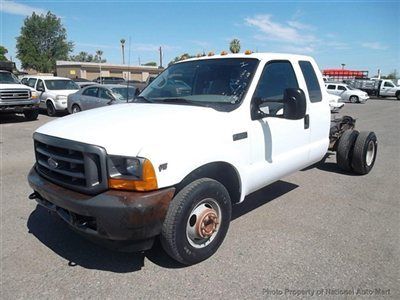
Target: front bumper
x=113, y=218
x=60, y=104
x=18, y=106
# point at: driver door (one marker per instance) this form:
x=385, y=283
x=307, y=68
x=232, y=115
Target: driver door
x=42, y=92
x=278, y=146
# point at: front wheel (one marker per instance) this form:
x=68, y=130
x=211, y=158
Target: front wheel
x=353, y=99
x=197, y=221
x=31, y=115
x=51, y=110
x=398, y=95
x=75, y=108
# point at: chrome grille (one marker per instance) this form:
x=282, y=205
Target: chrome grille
x=78, y=166
x=11, y=95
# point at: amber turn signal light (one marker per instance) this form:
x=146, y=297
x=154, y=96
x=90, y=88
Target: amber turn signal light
x=148, y=182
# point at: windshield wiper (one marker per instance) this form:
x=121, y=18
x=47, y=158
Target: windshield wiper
x=180, y=101
x=142, y=99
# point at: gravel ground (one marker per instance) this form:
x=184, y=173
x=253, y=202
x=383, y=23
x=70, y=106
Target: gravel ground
x=316, y=232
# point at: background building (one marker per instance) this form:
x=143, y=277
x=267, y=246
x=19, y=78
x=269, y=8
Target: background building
x=91, y=71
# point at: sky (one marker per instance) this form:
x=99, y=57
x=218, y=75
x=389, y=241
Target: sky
x=363, y=35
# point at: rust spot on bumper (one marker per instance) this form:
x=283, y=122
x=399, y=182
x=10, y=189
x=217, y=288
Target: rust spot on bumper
x=119, y=215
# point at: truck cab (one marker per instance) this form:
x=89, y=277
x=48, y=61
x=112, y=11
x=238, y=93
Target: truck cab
x=388, y=89
x=173, y=163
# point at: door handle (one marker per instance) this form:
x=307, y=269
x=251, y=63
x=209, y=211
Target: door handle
x=306, y=121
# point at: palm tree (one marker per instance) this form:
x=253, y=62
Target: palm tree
x=99, y=53
x=234, y=46
x=123, y=50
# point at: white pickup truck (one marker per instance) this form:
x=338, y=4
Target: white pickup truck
x=17, y=98
x=377, y=87
x=173, y=163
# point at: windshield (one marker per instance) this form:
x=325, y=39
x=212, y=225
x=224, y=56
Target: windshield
x=123, y=93
x=61, y=84
x=350, y=88
x=218, y=81
x=6, y=77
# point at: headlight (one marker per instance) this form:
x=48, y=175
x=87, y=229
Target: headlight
x=34, y=95
x=131, y=173
x=61, y=97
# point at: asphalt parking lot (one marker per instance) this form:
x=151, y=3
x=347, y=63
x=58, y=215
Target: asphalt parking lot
x=316, y=230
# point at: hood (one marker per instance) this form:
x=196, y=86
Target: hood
x=15, y=86
x=125, y=129
x=62, y=92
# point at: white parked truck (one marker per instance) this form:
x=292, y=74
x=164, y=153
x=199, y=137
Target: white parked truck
x=377, y=87
x=175, y=162
x=17, y=98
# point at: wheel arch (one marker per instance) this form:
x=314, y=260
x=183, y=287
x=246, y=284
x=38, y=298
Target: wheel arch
x=221, y=171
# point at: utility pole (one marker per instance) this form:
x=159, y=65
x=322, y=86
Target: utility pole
x=139, y=61
x=160, y=50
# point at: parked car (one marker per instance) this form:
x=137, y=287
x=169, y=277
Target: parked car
x=346, y=92
x=53, y=91
x=173, y=165
x=99, y=95
x=82, y=82
x=16, y=97
x=109, y=80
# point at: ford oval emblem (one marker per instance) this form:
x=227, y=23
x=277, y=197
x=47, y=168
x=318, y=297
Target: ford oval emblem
x=52, y=163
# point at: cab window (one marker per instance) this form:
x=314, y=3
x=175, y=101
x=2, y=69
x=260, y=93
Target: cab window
x=314, y=90
x=277, y=76
x=388, y=84
x=341, y=88
x=331, y=87
x=31, y=82
x=40, y=85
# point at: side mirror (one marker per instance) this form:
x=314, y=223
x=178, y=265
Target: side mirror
x=294, y=104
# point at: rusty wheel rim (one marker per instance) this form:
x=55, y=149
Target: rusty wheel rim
x=203, y=223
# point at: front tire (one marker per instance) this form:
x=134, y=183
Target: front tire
x=398, y=95
x=354, y=99
x=75, y=108
x=197, y=221
x=31, y=115
x=51, y=110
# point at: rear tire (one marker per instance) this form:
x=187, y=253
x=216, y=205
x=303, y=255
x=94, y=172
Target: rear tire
x=354, y=99
x=51, y=110
x=197, y=221
x=344, y=150
x=75, y=109
x=364, y=153
x=31, y=115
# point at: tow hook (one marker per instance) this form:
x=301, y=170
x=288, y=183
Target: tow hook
x=34, y=196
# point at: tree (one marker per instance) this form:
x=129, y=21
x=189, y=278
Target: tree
x=181, y=57
x=42, y=41
x=234, y=46
x=86, y=57
x=3, y=52
x=123, y=50
x=151, y=64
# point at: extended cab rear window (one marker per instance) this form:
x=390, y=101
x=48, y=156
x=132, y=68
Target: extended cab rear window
x=314, y=90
